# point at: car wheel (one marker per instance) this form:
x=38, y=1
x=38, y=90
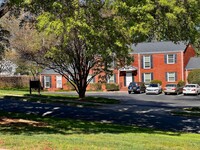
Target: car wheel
x=165, y=93
x=129, y=92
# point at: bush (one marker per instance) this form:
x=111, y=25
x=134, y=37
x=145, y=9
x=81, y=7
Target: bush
x=156, y=81
x=112, y=87
x=194, y=76
x=70, y=87
x=181, y=83
x=14, y=82
x=95, y=87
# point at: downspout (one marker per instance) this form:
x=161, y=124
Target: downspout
x=139, y=73
x=182, y=62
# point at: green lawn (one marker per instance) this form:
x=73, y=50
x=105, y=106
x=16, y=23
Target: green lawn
x=28, y=132
x=22, y=132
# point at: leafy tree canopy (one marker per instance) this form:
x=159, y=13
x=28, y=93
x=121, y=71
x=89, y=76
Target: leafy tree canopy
x=92, y=33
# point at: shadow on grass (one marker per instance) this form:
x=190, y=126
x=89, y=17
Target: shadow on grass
x=64, y=99
x=16, y=123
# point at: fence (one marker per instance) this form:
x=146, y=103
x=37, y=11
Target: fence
x=14, y=82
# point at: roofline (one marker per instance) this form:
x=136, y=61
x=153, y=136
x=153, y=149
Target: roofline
x=158, y=52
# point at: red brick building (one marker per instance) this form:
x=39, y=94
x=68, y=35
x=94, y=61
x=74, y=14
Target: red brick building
x=165, y=61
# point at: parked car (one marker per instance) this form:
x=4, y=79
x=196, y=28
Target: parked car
x=173, y=88
x=191, y=89
x=136, y=87
x=154, y=88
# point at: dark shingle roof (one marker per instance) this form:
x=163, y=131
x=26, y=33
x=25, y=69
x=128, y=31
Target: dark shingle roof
x=194, y=63
x=158, y=47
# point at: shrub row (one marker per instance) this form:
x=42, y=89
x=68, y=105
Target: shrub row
x=14, y=82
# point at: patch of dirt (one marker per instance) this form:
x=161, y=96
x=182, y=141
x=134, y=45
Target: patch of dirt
x=6, y=121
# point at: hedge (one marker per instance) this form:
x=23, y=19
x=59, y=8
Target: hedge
x=14, y=82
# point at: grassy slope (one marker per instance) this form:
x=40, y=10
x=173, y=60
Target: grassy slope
x=65, y=134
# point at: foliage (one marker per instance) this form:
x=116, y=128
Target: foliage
x=157, y=81
x=181, y=83
x=95, y=86
x=194, y=76
x=112, y=87
x=89, y=33
x=70, y=87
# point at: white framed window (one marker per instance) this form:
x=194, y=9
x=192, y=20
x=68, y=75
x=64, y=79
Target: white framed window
x=111, y=79
x=146, y=62
x=89, y=78
x=171, y=76
x=47, y=82
x=147, y=77
x=58, y=81
x=171, y=59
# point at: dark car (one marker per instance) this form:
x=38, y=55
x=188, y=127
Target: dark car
x=136, y=87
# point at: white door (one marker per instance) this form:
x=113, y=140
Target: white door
x=58, y=81
x=129, y=78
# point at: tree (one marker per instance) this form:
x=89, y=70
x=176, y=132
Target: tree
x=90, y=32
x=194, y=76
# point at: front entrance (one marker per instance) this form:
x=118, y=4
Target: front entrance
x=129, y=78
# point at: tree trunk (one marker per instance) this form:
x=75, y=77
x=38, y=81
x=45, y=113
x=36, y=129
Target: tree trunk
x=81, y=93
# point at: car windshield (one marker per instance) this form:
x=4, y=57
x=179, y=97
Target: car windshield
x=153, y=85
x=133, y=84
x=190, y=86
x=171, y=85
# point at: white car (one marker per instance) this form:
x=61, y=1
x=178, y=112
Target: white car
x=191, y=89
x=154, y=88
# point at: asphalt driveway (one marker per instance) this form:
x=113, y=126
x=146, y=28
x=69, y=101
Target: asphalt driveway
x=135, y=109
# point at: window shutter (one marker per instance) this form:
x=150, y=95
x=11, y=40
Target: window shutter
x=175, y=76
x=151, y=76
x=114, y=78
x=151, y=61
x=124, y=80
x=175, y=58
x=142, y=77
x=142, y=65
x=166, y=76
x=165, y=59
x=43, y=81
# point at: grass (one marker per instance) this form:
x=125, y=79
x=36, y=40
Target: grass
x=38, y=133
x=64, y=99
x=191, y=111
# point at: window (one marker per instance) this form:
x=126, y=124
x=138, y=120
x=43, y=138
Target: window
x=171, y=76
x=170, y=58
x=47, y=81
x=111, y=79
x=147, y=77
x=89, y=78
x=146, y=62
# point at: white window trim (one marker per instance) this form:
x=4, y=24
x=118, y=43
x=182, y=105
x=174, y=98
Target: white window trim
x=146, y=61
x=145, y=77
x=168, y=59
x=168, y=77
x=113, y=76
x=45, y=81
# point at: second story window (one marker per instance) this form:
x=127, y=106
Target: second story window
x=170, y=58
x=146, y=62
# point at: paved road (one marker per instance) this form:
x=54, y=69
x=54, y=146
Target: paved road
x=135, y=109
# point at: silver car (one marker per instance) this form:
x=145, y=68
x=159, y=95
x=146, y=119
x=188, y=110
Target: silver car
x=191, y=89
x=154, y=88
x=173, y=89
